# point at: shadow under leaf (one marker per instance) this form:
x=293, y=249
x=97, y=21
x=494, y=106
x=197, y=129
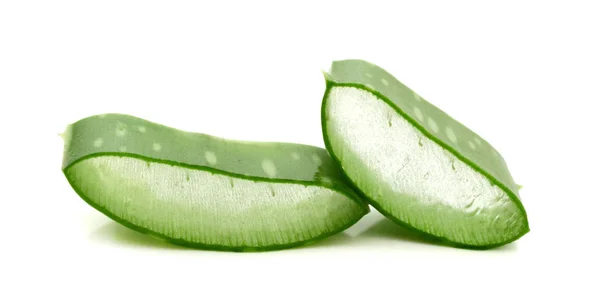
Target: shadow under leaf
x=116, y=233
x=385, y=228
x=339, y=239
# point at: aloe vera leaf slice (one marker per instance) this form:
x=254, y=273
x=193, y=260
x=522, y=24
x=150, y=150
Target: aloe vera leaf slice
x=207, y=192
x=416, y=164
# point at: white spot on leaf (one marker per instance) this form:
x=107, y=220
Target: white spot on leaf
x=142, y=129
x=317, y=160
x=369, y=75
x=121, y=129
x=121, y=132
x=210, y=157
x=433, y=125
x=156, y=146
x=295, y=156
x=451, y=135
x=269, y=168
x=418, y=113
x=472, y=145
x=98, y=142
x=385, y=82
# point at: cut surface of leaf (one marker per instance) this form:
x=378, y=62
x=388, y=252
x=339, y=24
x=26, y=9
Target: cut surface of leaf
x=414, y=163
x=207, y=192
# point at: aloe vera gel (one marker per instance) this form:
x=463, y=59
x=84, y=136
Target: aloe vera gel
x=207, y=192
x=416, y=164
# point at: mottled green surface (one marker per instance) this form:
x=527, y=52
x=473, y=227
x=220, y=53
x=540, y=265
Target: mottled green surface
x=115, y=133
x=207, y=192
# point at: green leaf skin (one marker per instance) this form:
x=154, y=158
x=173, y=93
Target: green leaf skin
x=206, y=192
x=416, y=164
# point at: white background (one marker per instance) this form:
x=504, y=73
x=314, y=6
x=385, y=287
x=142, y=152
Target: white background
x=522, y=74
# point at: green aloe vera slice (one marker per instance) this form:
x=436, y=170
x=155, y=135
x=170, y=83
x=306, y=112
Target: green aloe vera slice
x=414, y=163
x=206, y=192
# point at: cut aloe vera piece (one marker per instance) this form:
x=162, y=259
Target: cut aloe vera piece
x=202, y=191
x=416, y=164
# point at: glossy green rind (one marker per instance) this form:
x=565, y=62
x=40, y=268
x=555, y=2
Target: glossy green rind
x=436, y=126
x=207, y=192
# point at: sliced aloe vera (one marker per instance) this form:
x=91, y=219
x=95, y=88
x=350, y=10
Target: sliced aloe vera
x=416, y=164
x=202, y=191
